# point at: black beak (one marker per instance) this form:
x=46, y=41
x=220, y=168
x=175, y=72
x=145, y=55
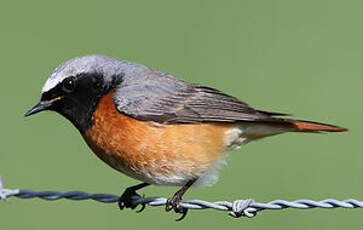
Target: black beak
x=41, y=106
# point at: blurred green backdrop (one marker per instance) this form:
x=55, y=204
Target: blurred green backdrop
x=300, y=57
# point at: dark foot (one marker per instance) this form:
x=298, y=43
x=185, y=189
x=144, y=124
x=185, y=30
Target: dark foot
x=130, y=199
x=174, y=203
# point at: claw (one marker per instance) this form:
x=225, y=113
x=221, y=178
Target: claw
x=174, y=203
x=143, y=205
x=142, y=208
x=130, y=199
x=184, y=214
x=168, y=205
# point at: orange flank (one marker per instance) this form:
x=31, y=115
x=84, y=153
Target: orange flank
x=315, y=126
x=148, y=151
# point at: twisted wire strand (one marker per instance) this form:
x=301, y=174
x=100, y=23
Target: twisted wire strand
x=238, y=208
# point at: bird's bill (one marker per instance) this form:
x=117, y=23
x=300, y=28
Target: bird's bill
x=41, y=106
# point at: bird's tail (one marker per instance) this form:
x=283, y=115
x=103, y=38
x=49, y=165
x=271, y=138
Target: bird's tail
x=310, y=126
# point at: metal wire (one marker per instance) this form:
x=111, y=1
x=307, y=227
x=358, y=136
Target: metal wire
x=238, y=208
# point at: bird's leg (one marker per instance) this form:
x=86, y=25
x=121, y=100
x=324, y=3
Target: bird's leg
x=174, y=202
x=130, y=199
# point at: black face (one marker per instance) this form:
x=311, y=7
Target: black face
x=76, y=98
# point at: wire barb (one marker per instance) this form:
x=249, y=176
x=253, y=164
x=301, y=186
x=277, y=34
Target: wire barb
x=238, y=208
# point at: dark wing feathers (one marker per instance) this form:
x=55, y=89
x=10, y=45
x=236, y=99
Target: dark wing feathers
x=181, y=102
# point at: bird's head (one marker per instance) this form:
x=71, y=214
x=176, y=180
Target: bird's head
x=75, y=87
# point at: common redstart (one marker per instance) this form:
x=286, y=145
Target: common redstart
x=155, y=127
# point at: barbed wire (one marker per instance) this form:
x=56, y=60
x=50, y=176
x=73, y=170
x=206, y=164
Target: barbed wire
x=238, y=208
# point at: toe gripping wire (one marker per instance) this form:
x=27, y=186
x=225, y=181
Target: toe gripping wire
x=238, y=208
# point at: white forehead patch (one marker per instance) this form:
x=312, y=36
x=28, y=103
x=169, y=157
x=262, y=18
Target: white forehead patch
x=50, y=84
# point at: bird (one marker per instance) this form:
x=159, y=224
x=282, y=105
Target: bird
x=155, y=127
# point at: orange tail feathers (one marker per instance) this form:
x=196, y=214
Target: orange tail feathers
x=309, y=126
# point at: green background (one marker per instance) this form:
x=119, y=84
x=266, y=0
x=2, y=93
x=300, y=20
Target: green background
x=300, y=57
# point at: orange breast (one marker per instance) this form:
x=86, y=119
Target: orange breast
x=154, y=153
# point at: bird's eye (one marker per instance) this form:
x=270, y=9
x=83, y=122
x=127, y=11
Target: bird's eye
x=69, y=84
